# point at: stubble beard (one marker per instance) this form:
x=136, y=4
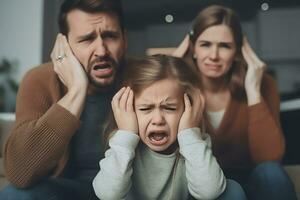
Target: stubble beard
x=98, y=84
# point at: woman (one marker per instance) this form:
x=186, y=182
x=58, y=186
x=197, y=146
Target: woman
x=242, y=104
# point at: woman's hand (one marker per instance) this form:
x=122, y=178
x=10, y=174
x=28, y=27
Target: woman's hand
x=256, y=68
x=122, y=105
x=182, y=49
x=193, y=110
x=67, y=67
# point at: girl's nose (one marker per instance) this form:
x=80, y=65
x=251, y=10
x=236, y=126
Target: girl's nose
x=158, y=118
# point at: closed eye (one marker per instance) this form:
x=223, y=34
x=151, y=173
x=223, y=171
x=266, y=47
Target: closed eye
x=144, y=109
x=85, y=40
x=170, y=108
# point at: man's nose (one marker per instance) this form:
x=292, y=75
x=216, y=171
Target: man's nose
x=158, y=118
x=100, y=48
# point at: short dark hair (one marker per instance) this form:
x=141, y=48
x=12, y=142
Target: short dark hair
x=90, y=6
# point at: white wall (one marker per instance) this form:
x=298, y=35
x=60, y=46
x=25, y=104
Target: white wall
x=280, y=34
x=156, y=36
x=21, y=33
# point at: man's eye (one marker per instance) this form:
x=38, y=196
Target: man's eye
x=110, y=36
x=85, y=40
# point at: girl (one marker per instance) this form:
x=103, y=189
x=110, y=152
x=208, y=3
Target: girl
x=161, y=107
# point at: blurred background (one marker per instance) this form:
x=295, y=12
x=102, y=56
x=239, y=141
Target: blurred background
x=28, y=29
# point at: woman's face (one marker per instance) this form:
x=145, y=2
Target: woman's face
x=215, y=50
x=159, y=108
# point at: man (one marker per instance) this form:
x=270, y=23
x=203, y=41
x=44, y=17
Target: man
x=55, y=146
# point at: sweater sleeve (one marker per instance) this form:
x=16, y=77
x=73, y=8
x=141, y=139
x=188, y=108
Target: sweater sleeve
x=113, y=181
x=204, y=175
x=266, y=140
x=40, y=134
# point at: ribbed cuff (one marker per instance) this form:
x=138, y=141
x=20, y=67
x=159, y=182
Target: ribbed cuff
x=61, y=121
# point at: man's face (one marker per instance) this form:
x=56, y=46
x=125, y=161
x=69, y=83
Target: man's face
x=98, y=43
x=159, y=108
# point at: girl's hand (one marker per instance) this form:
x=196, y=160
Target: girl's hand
x=67, y=67
x=256, y=68
x=193, y=110
x=122, y=106
x=182, y=49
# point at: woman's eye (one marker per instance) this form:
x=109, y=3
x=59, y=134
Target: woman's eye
x=204, y=44
x=227, y=46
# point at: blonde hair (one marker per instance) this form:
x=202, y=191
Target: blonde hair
x=139, y=73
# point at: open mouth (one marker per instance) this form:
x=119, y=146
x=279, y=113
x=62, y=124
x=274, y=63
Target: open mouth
x=101, y=66
x=158, y=137
x=102, y=70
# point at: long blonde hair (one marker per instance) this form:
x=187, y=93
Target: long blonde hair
x=139, y=73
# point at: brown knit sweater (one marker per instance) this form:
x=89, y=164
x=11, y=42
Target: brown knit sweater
x=249, y=135
x=38, y=144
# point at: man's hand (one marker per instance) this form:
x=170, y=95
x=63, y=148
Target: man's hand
x=67, y=67
x=72, y=74
x=193, y=110
x=122, y=105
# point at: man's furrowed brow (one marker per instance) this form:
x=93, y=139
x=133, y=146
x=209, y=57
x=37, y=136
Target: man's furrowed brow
x=110, y=32
x=86, y=36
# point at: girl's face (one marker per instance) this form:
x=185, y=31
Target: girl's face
x=215, y=50
x=159, y=108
